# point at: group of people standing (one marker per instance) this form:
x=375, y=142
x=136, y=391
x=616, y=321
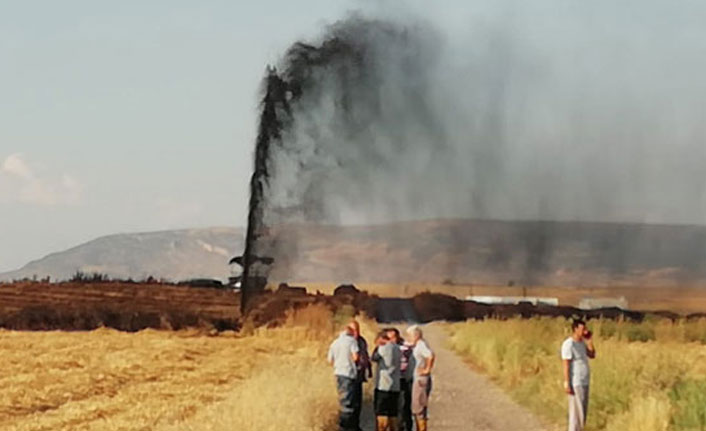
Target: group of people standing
x=402, y=377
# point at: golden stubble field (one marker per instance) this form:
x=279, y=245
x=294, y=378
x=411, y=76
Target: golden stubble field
x=170, y=380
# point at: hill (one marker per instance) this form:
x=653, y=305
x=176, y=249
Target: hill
x=431, y=251
x=494, y=252
x=174, y=255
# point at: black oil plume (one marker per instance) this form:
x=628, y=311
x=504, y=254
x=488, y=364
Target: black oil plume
x=303, y=161
x=536, y=114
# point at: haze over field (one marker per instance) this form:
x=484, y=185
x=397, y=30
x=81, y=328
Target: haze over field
x=554, y=112
x=434, y=251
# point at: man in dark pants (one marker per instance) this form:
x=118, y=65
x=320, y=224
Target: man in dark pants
x=343, y=355
x=364, y=372
x=387, y=382
x=405, y=379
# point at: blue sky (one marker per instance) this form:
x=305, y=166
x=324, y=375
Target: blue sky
x=132, y=115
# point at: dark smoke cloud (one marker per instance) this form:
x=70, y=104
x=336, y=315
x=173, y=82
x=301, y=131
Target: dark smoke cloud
x=581, y=111
x=507, y=124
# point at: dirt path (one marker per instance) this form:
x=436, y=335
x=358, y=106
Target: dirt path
x=463, y=400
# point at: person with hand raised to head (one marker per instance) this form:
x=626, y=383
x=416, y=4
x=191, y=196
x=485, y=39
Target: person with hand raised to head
x=387, y=356
x=576, y=351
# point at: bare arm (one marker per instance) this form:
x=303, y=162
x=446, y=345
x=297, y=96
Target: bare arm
x=329, y=357
x=431, y=361
x=567, y=383
x=429, y=365
x=590, y=349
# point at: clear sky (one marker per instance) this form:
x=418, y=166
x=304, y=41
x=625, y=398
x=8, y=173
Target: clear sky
x=140, y=115
x=121, y=116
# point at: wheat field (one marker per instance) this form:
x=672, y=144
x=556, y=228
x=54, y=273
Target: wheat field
x=270, y=379
x=648, y=376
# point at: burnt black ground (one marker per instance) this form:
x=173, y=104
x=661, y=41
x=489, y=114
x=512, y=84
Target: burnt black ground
x=390, y=310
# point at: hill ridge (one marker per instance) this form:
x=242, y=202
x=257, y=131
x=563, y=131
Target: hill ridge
x=494, y=252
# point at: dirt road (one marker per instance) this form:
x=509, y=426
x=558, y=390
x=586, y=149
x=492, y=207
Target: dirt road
x=463, y=400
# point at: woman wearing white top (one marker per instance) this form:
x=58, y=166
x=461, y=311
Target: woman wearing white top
x=423, y=359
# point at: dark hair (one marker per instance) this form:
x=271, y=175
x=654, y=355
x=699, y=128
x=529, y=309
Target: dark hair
x=399, y=338
x=395, y=330
x=576, y=323
x=383, y=335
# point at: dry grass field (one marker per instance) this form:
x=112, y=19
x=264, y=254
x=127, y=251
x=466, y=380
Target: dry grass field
x=271, y=379
x=678, y=299
x=648, y=376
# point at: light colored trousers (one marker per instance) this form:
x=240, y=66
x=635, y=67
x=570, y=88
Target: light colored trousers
x=578, y=408
x=421, y=388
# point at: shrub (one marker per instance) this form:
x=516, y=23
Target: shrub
x=696, y=331
x=82, y=277
x=643, y=333
x=689, y=400
x=608, y=329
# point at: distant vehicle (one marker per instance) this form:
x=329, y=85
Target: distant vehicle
x=236, y=273
x=234, y=282
x=257, y=278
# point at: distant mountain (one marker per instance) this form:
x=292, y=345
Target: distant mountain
x=432, y=251
x=174, y=254
x=495, y=253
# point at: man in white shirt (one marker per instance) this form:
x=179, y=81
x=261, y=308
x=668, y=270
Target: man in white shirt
x=575, y=353
x=423, y=362
x=343, y=355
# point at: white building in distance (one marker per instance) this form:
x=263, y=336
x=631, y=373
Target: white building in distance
x=594, y=303
x=535, y=300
